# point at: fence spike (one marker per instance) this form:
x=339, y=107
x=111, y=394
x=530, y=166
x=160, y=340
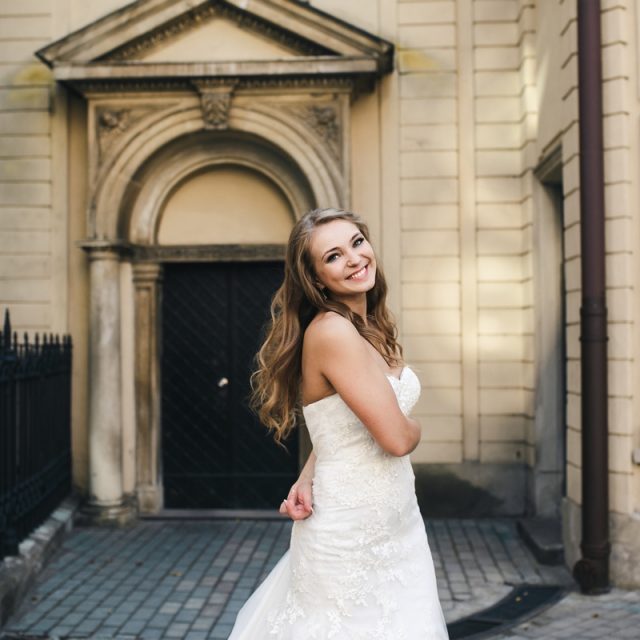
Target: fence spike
x=6, y=332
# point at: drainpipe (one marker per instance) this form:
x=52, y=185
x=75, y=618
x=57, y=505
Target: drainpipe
x=592, y=570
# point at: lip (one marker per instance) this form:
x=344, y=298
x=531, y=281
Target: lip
x=360, y=274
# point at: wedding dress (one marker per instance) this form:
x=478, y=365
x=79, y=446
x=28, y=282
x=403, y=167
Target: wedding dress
x=359, y=568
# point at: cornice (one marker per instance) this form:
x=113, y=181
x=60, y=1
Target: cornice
x=356, y=74
x=307, y=66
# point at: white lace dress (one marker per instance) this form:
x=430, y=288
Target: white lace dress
x=360, y=567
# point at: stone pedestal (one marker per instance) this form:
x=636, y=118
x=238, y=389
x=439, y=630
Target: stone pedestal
x=107, y=504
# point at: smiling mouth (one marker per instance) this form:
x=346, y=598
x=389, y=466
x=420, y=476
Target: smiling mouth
x=359, y=274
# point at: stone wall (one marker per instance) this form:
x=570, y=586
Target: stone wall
x=620, y=106
x=29, y=272
x=465, y=304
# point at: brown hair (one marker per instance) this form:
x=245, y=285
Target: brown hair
x=275, y=383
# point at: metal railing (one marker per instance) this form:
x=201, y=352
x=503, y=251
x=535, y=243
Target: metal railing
x=35, y=426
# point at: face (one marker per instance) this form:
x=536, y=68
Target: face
x=343, y=259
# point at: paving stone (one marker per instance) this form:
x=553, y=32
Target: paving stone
x=187, y=580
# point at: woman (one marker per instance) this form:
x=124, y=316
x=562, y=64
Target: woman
x=359, y=565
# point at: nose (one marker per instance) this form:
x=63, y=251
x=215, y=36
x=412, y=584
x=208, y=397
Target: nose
x=352, y=257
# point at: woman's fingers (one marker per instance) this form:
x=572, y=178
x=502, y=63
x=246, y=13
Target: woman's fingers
x=306, y=498
x=296, y=511
x=298, y=504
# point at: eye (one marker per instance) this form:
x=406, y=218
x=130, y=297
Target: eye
x=331, y=257
x=358, y=241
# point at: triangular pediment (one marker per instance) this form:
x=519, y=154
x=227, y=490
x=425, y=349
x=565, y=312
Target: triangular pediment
x=159, y=37
x=218, y=40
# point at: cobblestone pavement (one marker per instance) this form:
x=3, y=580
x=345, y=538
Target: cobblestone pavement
x=614, y=616
x=188, y=579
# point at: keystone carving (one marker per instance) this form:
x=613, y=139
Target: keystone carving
x=215, y=102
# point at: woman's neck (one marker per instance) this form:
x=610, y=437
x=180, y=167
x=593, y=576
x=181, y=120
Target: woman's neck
x=356, y=304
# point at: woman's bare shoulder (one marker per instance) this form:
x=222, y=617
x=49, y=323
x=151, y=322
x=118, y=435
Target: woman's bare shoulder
x=329, y=326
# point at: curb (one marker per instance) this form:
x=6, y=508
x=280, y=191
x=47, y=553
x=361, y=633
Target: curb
x=18, y=573
x=543, y=537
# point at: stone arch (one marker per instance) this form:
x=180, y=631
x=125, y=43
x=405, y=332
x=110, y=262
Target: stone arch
x=188, y=155
x=119, y=176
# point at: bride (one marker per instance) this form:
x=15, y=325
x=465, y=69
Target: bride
x=359, y=565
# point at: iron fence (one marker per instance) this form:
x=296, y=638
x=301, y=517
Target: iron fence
x=35, y=439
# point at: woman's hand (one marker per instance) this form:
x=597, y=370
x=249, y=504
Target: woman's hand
x=298, y=504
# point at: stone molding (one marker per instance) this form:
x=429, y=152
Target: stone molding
x=145, y=254
x=162, y=84
x=359, y=71
x=104, y=249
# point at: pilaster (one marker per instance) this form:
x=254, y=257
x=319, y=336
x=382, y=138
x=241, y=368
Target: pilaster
x=147, y=281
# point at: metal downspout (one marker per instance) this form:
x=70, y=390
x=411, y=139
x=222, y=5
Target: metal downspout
x=592, y=571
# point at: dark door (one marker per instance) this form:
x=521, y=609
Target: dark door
x=215, y=453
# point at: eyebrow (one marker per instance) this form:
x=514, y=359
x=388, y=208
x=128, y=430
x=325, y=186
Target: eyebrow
x=353, y=237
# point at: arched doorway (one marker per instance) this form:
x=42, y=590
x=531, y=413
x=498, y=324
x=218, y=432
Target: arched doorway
x=209, y=216
x=215, y=454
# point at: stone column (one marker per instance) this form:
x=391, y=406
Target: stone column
x=107, y=503
x=147, y=278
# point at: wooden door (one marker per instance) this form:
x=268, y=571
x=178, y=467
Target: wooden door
x=215, y=453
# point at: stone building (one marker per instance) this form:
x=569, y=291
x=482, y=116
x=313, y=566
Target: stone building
x=155, y=154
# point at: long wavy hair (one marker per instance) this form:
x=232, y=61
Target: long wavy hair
x=275, y=383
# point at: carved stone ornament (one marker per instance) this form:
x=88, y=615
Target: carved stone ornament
x=112, y=122
x=324, y=121
x=215, y=102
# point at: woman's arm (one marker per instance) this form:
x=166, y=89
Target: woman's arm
x=346, y=361
x=299, y=503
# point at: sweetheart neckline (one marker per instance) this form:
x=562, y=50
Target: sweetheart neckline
x=333, y=395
